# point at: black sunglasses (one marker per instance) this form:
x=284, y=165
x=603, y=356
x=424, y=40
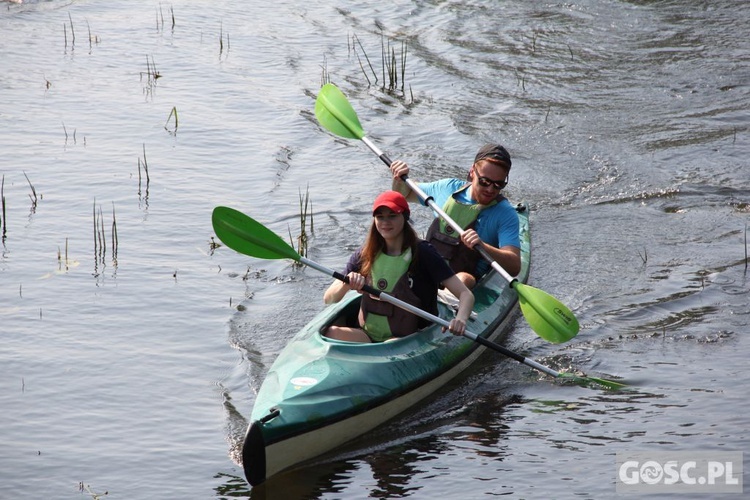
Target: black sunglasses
x=487, y=182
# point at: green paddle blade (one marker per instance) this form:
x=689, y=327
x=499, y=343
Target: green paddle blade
x=609, y=384
x=247, y=236
x=335, y=113
x=546, y=315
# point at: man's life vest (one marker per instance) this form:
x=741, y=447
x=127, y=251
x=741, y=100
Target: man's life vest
x=447, y=241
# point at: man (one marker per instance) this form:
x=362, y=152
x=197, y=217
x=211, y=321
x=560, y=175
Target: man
x=476, y=205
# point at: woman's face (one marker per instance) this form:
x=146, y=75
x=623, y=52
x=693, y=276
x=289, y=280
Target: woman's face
x=388, y=223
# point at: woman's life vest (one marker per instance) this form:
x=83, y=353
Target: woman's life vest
x=381, y=320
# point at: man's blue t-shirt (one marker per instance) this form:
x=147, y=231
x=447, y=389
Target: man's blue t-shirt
x=497, y=226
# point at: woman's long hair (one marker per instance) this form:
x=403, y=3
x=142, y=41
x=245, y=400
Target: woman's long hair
x=375, y=243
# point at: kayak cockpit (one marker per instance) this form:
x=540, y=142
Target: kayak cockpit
x=347, y=314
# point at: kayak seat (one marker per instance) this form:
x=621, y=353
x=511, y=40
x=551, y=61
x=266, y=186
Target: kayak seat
x=347, y=316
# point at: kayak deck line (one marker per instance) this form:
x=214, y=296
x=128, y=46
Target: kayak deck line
x=272, y=413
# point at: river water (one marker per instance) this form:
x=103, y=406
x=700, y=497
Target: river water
x=131, y=349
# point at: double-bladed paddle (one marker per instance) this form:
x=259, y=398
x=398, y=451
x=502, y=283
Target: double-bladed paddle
x=546, y=315
x=245, y=235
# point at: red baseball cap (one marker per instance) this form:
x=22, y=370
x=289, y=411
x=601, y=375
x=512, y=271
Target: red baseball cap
x=393, y=200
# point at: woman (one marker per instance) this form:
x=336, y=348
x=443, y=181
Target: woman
x=395, y=261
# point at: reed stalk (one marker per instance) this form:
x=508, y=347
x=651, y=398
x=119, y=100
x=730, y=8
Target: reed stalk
x=325, y=77
x=115, y=239
x=305, y=209
x=72, y=31
x=374, y=74
x=176, y=124
x=643, y=256
x=221, y=40
x=745, y=247
x=97, y=253
x=145, y=164
x=403, y=64
x=32, y=196
x=102, y=238
x=3, y=219
x=91, y=38
x=393, y=66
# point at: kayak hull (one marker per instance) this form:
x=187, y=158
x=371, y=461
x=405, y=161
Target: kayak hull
x=321, y=393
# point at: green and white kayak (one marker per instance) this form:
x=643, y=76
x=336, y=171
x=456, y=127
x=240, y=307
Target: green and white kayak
x=320, y=393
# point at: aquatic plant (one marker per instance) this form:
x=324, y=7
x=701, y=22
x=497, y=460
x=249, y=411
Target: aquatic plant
x=643, y=256
x=325, y=77
x=72, y=33
x=100, y=240
x=115, y=239
x=388, y=55
x=221, y=40
x=32, y=196
x=87, y=488
x=60, y=259
x=152, y=75
x=304, y=204
x=212, y=246
x=355, y=38
x=393, y=65
x=160, y=18
x=65, y=130
x=171, y=114
x=92, y=38
x=3, y=220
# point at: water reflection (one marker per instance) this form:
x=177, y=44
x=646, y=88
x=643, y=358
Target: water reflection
x=235, y=428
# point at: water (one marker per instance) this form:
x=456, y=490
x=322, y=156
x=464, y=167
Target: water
x=132, y=372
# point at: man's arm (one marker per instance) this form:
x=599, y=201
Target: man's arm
x=507, y=256
x=399, y=168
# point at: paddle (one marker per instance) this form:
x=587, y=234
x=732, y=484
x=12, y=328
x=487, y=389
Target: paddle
x=247, y=236
x=546, y=315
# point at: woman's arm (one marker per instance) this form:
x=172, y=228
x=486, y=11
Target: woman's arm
x=338, y=288
x=335, y=292
x=465, y=303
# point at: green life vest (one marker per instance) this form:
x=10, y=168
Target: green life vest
x=390, y=275
x=447, y=241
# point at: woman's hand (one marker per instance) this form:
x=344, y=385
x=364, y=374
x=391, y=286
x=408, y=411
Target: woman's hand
x=457, y=327
x=356, y=281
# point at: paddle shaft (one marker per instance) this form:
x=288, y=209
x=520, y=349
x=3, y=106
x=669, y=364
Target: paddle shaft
x=431, y=203
x=249, y=237
x=431, y=317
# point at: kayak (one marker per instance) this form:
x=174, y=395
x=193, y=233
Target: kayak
x=321, y=393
